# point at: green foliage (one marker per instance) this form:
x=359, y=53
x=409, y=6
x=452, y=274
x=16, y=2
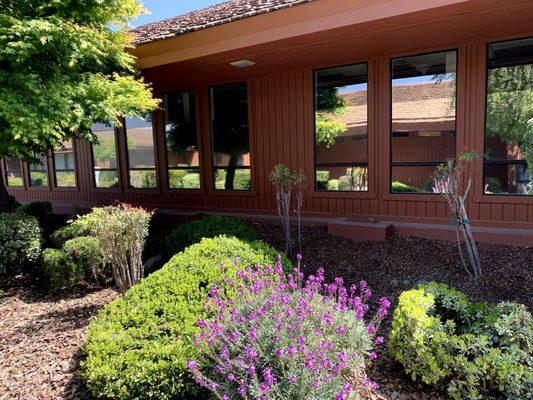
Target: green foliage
x=478, y=351
x=139, y=346
x=20, y=240
x=36, y=209
x=67, y=232
x=208, y=227
x=399, y=187
x=333, y=184
x=8, y=203
x=322, y=180
x=241, y=180
x=60, y=270
x=85, y=252
x=330, y=105
x=83, y=74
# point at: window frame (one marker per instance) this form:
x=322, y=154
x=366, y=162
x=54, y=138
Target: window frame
x=117, y=169
x=213, y=168
x=368, y=119
x=29, y=170
x=484, y=162
x=5, y=177
x=200, y=168
x=54, y=170
x=392, y=164
x=131, y=188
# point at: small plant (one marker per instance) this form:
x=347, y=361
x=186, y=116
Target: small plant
x=285, y=338
x=475, y=350
x=448, y=180
x=20, y=241
x=85, y=252
x=285, y=181
x=122, y=232
x=139, y=345
x=60, y=270
x=208, y=227
x=67, y=232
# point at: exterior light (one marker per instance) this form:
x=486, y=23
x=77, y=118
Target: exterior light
x=242, y=64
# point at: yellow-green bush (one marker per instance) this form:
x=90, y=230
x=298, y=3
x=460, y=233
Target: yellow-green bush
x=139, y=345
x=477, y=351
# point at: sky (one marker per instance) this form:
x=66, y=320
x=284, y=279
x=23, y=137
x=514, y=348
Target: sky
x=162, y=9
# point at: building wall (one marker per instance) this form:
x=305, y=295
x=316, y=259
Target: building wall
x=281, y=131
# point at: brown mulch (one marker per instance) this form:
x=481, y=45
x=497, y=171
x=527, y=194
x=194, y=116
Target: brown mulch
x=401, y=263
x=40, y=341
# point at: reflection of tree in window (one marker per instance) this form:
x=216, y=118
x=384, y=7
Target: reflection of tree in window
x=231, y=145
x=105, y=157
x=509, y=118
x=330, y=104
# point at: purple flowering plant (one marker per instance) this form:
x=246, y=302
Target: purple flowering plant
x=286, y=337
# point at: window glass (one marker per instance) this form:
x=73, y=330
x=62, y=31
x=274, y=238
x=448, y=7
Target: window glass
x=38, y=172
x=423, y=119
x=341, y=128
x=141, y=155
x=105, y=157
x=508, y=155
x=183, y=158
x=230, y=137
x=64, y=165
x=13, y=172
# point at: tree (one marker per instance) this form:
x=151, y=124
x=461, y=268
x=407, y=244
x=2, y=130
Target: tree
x=330, y=104
x=64, y=65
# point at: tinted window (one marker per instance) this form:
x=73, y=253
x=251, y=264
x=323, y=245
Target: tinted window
x=105, y=157
x=141, y=152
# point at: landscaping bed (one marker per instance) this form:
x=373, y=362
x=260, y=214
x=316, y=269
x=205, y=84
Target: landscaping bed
x=41, y=336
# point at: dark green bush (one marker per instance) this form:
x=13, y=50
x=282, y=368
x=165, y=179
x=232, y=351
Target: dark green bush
x=36, y=208
x=477, y=351
x=86, y=253
x=399, y=187
x=20, y=241
x=139, y=346
x=208, y=227
x=8, y=204
x=67, y=232
x=60, y=270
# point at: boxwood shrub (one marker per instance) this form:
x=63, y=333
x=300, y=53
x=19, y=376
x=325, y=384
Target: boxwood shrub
x=208, y=227
x=20, y=240
x=476, y=351
x=60, y=270
x=139, y=345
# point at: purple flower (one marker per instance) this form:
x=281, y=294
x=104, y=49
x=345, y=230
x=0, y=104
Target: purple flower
x=192, y=366
x=371, y=329
x=379, y=340
x=363, y=285
x=299, y=257
x=373, y=355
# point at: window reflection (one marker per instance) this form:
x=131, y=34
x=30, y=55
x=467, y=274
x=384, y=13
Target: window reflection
x=64, y=165
x=38, y=172
x=508, y=157
x=341, y=128
x=183, y=159
x=105, y=157
x=423, y=119
x=231, y=141
x=13, y=172
x=141, y=152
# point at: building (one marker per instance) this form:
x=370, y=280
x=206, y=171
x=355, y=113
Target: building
x=366, y=97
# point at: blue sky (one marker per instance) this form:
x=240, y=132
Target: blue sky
x=162, y=9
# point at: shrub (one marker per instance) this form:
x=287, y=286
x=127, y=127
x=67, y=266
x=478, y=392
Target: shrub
x=478, y=351
x=8, y=203
x=208, y=227
x=20, y=240
x=85, y=252
x=36, y=209
x=122, y=232
x=191, y=181
x=60, y=270
x=399, y=187
x=285, y=339
x=138, y=346
x=67, y=232
x=322, y=178
x=333, y=184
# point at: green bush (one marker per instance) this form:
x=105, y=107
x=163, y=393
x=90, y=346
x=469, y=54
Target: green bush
x=399, y=187
x=20, y=240
x=478, y=351
x=333, y=184
x=208, y=227
x=322, y=178
x=67, y=232
x=86, y=253
x=139, y=346
x=36, y=209
x=191, y=181
x=60, y=270
x=241, y=180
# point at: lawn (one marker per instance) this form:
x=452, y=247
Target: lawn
x=41, y=335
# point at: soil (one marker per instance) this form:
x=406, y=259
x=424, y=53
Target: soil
x=41, y=336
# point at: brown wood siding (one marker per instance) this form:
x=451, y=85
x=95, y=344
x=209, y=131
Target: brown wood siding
x=281, y=131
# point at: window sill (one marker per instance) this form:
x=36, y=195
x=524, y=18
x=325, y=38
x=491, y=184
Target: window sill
x=503, y=199
x=426, y=197
x=342, y=195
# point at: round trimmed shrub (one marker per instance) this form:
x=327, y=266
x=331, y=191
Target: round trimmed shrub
x=67, y=232
x=477, y=351
x=138, y=346
x=60, y=270
x=86, y=252
x=208, y=227
x=20, y=240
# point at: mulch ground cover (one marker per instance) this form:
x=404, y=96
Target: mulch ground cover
x=41, y=336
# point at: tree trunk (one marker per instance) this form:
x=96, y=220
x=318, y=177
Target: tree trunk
x=7, y=202
x=230, y=171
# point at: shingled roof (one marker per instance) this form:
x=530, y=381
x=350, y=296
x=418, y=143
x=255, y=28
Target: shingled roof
x=217, y=14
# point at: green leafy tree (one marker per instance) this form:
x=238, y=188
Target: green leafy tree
x=330, y=104
x=64, y=65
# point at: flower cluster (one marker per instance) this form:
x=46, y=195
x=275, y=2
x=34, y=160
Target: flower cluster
x=285, y=337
